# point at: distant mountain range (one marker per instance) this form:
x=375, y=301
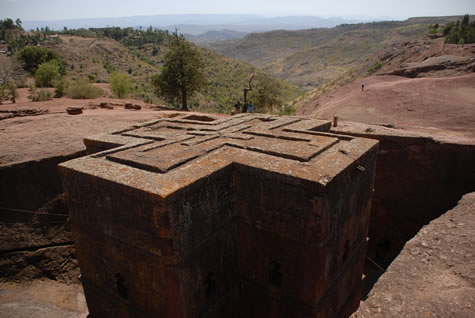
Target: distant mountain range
x=196, y=24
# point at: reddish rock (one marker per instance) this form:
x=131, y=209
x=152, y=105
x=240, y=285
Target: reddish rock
x=106, y=105
x=246, y=216
x=74, y=110
x=132, y=106
x=434, y=276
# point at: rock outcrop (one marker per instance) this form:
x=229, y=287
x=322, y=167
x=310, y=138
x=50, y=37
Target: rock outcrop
x=434, y=276
x=445, y=65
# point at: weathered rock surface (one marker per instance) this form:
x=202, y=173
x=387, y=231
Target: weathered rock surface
x=74, y=110
x=132, y=106
x=247, y=216
x=42, y=299
x=434, y=276
x=446, y=63
x=21, y=112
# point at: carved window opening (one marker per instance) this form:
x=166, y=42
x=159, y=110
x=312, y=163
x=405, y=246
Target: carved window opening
x=346, y=251
x=210, y=284
x=121, y=287
x=275, y=276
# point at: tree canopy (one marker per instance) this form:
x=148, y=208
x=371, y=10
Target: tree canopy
x=121, y=84
x=182, y=73
x=266, y=94
x=461, y=32
x=33, y=56
x=47, y=74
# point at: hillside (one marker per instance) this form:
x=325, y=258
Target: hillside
x=417, y=83
x=95, y=57
x=308, y=58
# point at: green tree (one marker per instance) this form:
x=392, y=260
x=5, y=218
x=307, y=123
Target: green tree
x=460, y=32
x=266, y=94
x=121, y=84
x=33, y=56
x=47, y=73
x=182, y=73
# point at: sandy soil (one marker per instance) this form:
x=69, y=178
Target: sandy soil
x=42, y=299
x=445, y=103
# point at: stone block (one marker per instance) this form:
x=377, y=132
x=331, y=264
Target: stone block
x=246, y=216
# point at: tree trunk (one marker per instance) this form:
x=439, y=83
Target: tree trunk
x=183, y=100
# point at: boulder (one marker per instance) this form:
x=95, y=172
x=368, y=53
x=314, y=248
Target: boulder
x=133, y=106
x=74, y=110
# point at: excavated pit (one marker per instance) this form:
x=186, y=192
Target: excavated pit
x=35, y=238
x=417, y=179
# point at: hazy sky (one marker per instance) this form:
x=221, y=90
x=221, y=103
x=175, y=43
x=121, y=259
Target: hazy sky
x=66, y=9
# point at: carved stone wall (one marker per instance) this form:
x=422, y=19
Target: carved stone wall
x=247, y=216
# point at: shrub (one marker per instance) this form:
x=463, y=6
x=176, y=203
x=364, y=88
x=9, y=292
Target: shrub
x=82, y=89
x=40, y=95
x=60, y=87
x=11, y=88
x=121, y=84
x=8, y=91
x=288, y=110
x=47, y=73
x=91, y=78
x=375, y=67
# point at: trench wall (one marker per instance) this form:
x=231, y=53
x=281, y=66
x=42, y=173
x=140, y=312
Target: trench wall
x=417, y=180
x=35, y=237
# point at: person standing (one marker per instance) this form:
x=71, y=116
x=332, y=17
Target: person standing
x=237, y=108
x=245, y=106
x=250, y=107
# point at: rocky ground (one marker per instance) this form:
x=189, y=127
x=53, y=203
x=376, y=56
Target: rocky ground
x=434, y=276
x=421, y=83
x=444, y=103
x=44, y=129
